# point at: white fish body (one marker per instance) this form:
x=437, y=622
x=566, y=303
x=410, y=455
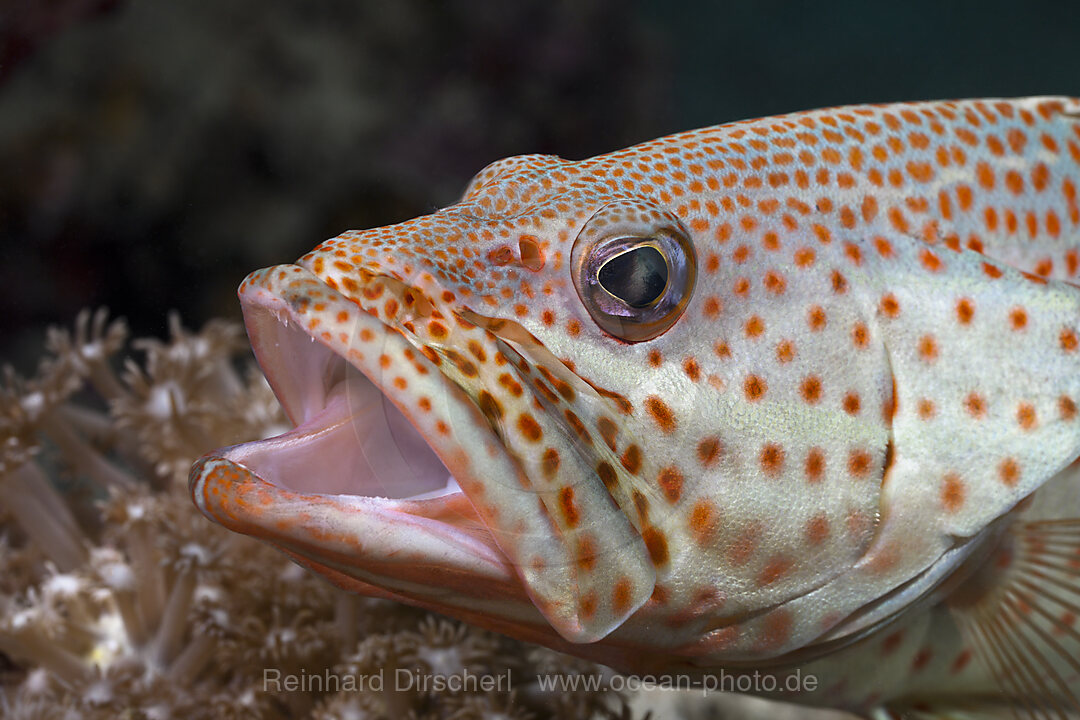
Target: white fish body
x=764, y=395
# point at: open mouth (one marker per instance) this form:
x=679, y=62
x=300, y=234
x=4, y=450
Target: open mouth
x=381, y=438
x=349, y=438
x=363, y=489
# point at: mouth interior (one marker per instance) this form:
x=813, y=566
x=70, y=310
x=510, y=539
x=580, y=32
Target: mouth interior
x=349, y=437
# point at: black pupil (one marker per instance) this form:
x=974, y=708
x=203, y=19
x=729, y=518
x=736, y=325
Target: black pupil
x=637, y=277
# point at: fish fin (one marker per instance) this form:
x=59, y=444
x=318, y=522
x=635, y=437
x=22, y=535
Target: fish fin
x=1023, y=623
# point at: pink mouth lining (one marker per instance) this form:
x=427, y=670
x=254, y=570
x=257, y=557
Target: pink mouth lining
x=349, y=439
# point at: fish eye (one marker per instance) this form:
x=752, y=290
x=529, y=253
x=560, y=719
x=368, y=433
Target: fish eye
x=638, y=276
x=634, y=271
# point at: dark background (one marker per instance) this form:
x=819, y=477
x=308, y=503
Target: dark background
x=152, y=153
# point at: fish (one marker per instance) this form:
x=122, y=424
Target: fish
x=794, y=395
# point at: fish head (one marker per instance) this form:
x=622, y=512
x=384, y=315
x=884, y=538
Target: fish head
x=459, y=440
x=507, y=411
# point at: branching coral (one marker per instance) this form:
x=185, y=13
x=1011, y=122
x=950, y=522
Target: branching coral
x=116, y=597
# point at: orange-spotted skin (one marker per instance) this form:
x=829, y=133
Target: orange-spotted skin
x=878, y=359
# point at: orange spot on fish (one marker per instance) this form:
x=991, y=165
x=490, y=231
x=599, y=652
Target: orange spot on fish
x=774, y=282
x=608, y=431
x=860, y=335
x=785, y=351
x=772, y=459
x=754, y=326
x=708, y=451
x=953, y=492
x=692, y=369
x=704, y=518
x=671, y=483
x=568, y=506
x=815, y=465
x=607, y=476
x=631, y=459
x=810, y=389
x=965, y=310
x=859, y=462
x=660, y=413
x=712, y=307
x=754, y=387
x=1026, y=417
x=587, y=605
x=975, y=405
x=620, y=595
x=586, y=552
x=892, y=642
x=890, y=306
x=776, y=568
x=549, y=463
x=1066, y=407
x=656, y=544
x=1068, y=340
x=851, y=403
x=961, y=661
x=529, y=428
x=1014, y=182
x=1009, y=472
x=1018, y=318
x=817, y=529
x=928, y=349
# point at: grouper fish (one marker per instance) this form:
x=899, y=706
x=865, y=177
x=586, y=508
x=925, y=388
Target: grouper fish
x=797, y=395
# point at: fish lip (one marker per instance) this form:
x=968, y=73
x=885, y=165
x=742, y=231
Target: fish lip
x=291, y=351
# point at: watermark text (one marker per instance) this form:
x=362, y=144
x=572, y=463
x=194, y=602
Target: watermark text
x=466, y=680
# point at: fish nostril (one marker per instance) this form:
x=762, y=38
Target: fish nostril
x=501, y=255
x=532, y=257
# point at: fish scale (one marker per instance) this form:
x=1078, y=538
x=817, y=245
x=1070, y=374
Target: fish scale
x=862, y=357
